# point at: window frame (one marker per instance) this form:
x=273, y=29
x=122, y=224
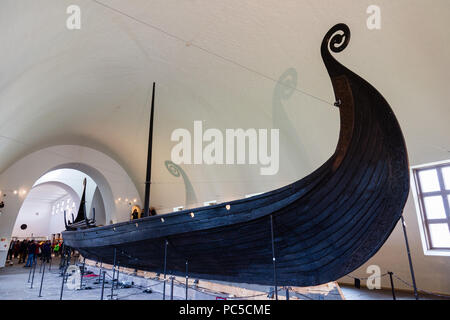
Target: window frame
x=419, y=196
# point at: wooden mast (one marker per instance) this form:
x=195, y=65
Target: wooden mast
x=148, y=176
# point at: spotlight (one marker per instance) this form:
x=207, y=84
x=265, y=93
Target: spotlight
x=192, y=215
x=228, y=207
x=15, y=191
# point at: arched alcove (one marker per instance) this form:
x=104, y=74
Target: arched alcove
x=36, y=211
x=104, y=189
x=112, y=180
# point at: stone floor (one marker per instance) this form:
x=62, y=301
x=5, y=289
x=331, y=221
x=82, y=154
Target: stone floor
x=14, y=285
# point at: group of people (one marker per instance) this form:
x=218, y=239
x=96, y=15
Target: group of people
x=135, y=214
x=28, y=251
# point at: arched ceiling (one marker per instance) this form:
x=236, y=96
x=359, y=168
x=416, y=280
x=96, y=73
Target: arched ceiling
x=217, y=61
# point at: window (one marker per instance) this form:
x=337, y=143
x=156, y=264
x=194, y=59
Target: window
x=432, y=184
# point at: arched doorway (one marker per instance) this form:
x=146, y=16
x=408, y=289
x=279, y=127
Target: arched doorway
x=112, y=180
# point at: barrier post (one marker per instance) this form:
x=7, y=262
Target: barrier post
x=42, y=279
x=409, y=259
x=165, y=265
x=187, y=278
x=273, y=259
x=392, y=285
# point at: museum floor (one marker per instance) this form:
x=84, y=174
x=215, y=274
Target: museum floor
x=15, y=286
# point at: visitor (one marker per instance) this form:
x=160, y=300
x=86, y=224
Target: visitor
x=135, y=215
x=16, y=249
x=152, y=211
x=46, y=251
x=56, y=249
x=31, y=254
x=37, y=251
x=11, y=250
x=23, y=250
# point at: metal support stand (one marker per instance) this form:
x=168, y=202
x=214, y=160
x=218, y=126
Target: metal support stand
x=62, y=284
x=82, y=273
x=32, y=278
x=171, y=287
x=187, y=278
x=29, y=274
x=113, y=275
x=100, y=271
x=118, y=273
x=409, y=259
x=274, y=260
x=42, y=279
x=103, y=284
x=165, y=265
x=392, y=285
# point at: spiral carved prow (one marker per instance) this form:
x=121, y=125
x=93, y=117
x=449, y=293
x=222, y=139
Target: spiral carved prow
x=336, y=40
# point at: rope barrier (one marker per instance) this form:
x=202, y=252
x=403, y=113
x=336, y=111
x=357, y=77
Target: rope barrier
x=401, y=280
x=419, y=290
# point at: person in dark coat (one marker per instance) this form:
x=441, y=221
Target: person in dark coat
x=46, y=251
x=135, y=214
x=31, y=254
x=17, y=249
x=11, y=250
x=23, y=250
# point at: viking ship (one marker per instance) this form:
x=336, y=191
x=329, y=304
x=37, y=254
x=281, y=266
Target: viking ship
x=310, y=232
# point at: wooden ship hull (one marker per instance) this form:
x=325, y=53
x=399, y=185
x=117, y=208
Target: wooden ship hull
x=308, y=233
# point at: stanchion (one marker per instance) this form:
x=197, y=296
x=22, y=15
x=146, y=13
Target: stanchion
x=273, y=258
x=392, y=285
x=171, y=287
x=82, y=273
x=165, y=264
x=113, y=275
x=118, y=273
x=42, y=279
x=29, y=274
x=34, y=270
x=287, y=293
x=101, y=270
x=409, y=259
x=40, y=267
x=103, y=284
x=62, y=284
x=187, y=278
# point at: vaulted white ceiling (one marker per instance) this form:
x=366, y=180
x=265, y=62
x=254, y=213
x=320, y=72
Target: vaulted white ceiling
x=217, y=61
